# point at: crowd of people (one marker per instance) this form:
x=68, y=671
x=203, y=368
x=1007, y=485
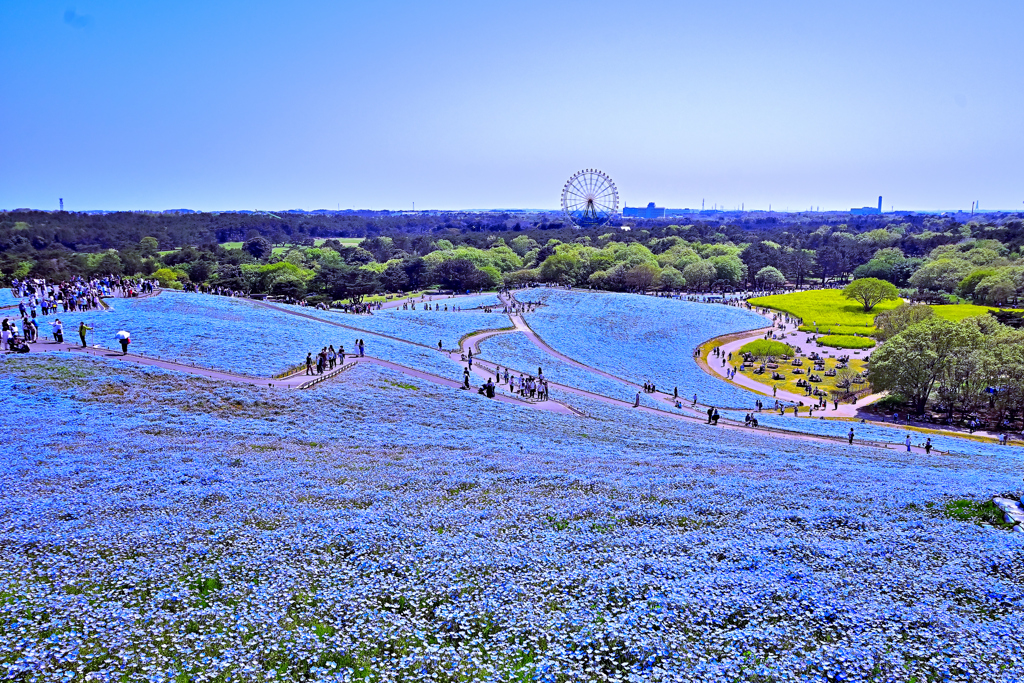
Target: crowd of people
x=39, y=298
x=209, y=289
x=526, y=386
x=328, y=358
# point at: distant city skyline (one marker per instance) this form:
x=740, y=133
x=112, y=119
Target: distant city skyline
x=471, y=106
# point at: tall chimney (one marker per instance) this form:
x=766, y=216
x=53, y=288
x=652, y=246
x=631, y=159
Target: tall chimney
x=879, y=203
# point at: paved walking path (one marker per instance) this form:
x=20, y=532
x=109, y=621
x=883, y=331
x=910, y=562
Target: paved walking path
x=733, y=343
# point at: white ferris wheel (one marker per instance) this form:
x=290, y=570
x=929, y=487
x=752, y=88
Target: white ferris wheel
x=590, y=198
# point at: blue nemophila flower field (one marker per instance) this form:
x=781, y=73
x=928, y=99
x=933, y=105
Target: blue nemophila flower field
x=419, y=326
x=643, y=338
x=244, y=337
x=161, y=527
x=515, y=351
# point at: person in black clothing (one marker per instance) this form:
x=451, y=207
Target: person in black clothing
x=714, y=417
x=309, y=363
x=711, y=411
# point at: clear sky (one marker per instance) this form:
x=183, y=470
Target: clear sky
x=486, y=104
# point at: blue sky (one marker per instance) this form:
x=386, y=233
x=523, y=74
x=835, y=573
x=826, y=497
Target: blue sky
x=228, y=105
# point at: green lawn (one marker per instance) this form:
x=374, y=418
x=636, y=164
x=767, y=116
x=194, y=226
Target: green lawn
x=839, y=316
x=828, y=308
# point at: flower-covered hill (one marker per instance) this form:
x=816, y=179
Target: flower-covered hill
x=161, y=527
x=642, y=338
x=420, y=326
x=245, y=337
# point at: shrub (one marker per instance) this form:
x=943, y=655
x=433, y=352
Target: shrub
x=890, y=323
x=842, y=341
x=762, y=348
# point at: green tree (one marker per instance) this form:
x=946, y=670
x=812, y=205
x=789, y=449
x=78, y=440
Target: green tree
x=699, y=275
x=258, y=247
x=561, y=267
x=910, y=363
x=346, y=282
x=460, y=275
x=870, y=292
x=798, y=264
x=522, y=244
x=167, y=278
x=890, y=323
x=967, y=285
x=288, y=285
x=642, y=277
x=943, y=274
x=996, y=289
x=149, y=246
x=770, y=277
x=729, y=270
x=672, y=280
x=109, y=263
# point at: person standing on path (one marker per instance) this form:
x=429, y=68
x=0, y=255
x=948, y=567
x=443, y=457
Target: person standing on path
x=362, y=348
x=850, y=436
x=636, y=402
x=908, y=443
x=309, y=363
x=58, y=331
x=711, y=411
x=439, y=347
x=82, y=329
x=928, y=446
x=775, y=390
x=124, y=345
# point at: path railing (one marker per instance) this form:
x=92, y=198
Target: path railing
x=326, y=376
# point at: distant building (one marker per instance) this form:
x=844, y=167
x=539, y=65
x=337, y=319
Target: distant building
x=178, y=211
x=868, y=210
x=650, y=211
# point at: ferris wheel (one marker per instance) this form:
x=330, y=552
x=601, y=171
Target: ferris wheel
x=590, y=198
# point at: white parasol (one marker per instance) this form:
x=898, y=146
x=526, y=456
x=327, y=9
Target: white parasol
x=122, y=335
